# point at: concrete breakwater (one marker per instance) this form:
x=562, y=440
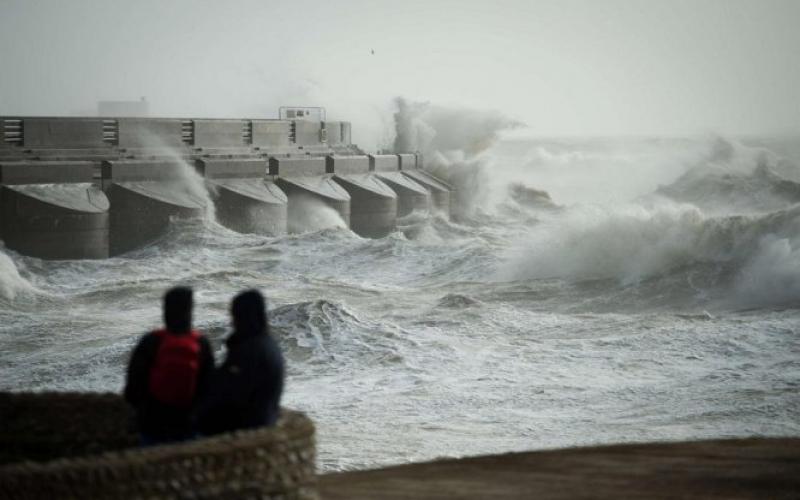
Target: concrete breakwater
x=74, y=188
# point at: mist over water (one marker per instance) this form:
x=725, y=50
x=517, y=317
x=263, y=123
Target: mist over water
x=593, y=291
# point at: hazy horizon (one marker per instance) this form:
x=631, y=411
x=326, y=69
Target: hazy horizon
x=571, y=68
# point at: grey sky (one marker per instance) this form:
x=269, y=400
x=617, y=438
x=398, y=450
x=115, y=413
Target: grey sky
x=563, y=67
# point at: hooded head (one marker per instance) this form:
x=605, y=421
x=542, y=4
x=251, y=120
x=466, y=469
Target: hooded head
x=249, y=313
x=178, y=309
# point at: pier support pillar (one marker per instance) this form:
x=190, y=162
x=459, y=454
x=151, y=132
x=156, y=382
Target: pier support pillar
x=51, y=210
x=245, y=201
x=306, y=184
x=373, y=204
x=146, y=195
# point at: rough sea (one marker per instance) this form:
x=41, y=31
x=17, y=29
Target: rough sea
x=594, y=291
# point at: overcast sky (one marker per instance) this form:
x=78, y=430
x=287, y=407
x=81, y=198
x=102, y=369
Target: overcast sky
x=563, y=67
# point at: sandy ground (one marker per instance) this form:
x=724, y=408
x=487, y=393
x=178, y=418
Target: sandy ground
x=730, y=469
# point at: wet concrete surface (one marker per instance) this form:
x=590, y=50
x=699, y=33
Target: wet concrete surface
x=730, y=469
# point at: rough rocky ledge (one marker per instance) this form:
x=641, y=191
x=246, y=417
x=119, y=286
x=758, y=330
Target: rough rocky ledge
x=730, y=469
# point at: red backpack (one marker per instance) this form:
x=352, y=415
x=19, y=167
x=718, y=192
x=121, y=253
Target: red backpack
x=173, y=378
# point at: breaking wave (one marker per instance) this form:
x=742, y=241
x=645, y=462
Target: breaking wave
x=635, y=243
x=730, y=212
x=11, y=283
x=325, y=332
x=454, y=143
x=735, y=179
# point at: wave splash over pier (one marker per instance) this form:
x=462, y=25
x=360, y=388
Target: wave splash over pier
x=592, y=291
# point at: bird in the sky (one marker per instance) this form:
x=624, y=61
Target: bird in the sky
x=372, y=51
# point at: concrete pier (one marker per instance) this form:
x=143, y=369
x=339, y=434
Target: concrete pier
x=316, y=178
x=373, y=204
x=145, y=195
x=51, y=210
x=307, y=133
x=148, y=133
x=272, y=135
x=107, y=138
x=244, y=200
x=440, y=190
x=306, y=182
x=65, y=133
x=410, y=194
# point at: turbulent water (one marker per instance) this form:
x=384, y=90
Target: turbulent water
x=595, y=291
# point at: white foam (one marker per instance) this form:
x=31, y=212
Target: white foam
x=309, y=214
x=592, y=241
x=189, y=180
x=11, y=283
x=772, y=276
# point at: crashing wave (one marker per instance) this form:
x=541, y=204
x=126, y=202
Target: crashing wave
x=325, y=331
x=734, y=179
x=454, y=142
x=636, y=243
x=12, y=284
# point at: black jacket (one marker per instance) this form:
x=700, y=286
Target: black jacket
x=246, y=390
x=152, y=417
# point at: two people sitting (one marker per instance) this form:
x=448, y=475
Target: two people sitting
x=178, y=393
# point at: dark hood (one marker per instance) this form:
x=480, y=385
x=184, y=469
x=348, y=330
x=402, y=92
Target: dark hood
x=178, y=309
x=249, y=312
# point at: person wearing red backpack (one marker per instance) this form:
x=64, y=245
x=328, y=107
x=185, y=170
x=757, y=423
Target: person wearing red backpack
x=169, y=373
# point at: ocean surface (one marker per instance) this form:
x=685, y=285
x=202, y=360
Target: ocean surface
x=593, y=291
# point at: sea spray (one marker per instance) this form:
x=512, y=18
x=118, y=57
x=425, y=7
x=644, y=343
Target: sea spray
x=733, y=178
x=11, y=283
x=771, y=278
x=599, y=172
x=191, y=182
x=634, y=242
x=187, y=180
x=427, y=128
x=626, y=243
x=309, y=214
x=453, y=141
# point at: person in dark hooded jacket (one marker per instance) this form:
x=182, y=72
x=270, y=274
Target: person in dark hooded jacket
x=246, y=390
x=169, y=372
